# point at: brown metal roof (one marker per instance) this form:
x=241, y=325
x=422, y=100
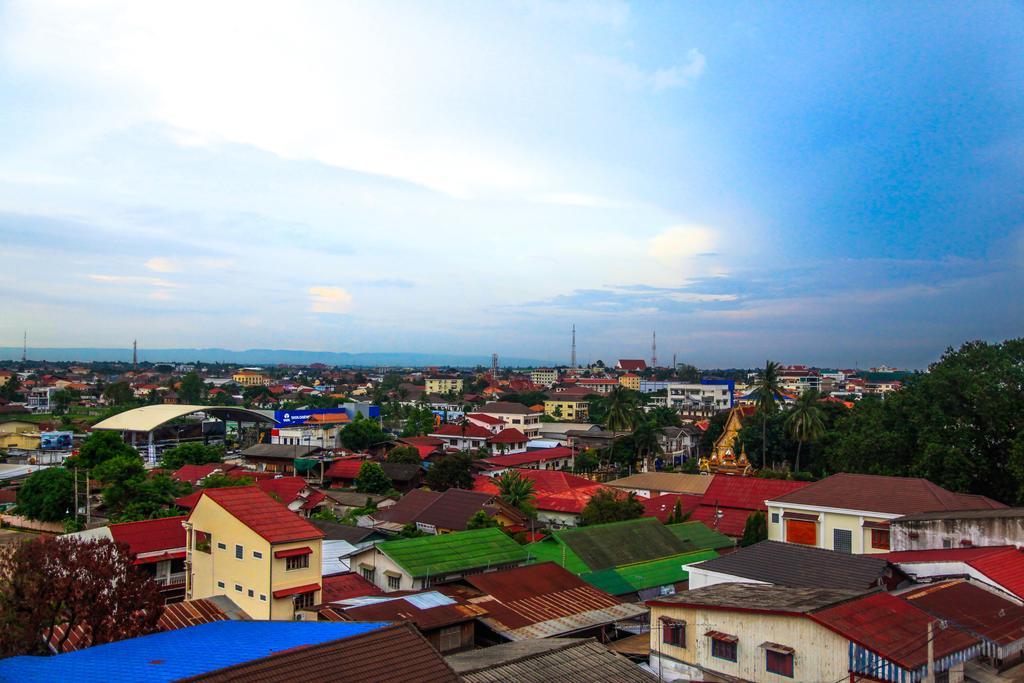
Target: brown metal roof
x=753, y=597
x=391, y=654
x=548, y=659
x=972, y=608
x=402, y=610
x=201, y=611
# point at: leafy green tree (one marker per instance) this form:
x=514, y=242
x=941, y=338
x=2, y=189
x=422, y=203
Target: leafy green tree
x=663, y=416
x=420, y=421
x=192, y=390
x=192, y=453
x=371, y=479
x=768, y=388
x=118, y=393
x=677, y=516
x=404, y=454
x=361, y=434
x=646, y=442
x=62, y=400
x=219, y=480
x=716, y=425
x=451, y=472
x=47, y=495
x=621, y=413
x=11, y=389
x=410, y=530
x=121, y=477
x=608, y=505
x=755, y=529
x=98, y=447
x=515, y=489
x=586, y=461
x=805, y=421
x=481, y=520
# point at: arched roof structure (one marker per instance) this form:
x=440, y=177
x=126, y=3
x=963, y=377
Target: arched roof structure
x=148, y=418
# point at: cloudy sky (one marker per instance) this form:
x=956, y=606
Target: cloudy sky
x=829, y=183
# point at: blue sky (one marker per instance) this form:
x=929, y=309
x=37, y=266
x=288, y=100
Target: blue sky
x=830, y=183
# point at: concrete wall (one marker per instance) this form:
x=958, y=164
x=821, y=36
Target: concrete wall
x=952, y=533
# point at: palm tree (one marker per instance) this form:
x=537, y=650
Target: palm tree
x=804, y=421
x=515, y=489
x=621, y=411
x=646, y=442
x=768, y=387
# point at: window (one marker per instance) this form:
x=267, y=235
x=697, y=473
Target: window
x=297, y=562
x=263, y=598
x=779, y=663
x=251, y=593
x=239, y=552
x=221, y=546
x=775, y=518
x=802, y=532
x=304, y=600
x=842, y=540
x=673, y=632
x=238, y=587
x=257, y=555
x=368, y=573
x=451, y=638
x=220, y=584
x=394, y=582
x=723, y=649
x=202, y=541
x=880, y=539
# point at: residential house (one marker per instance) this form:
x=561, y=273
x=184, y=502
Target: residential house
x=446, y=622
x=729, y=500
x=852, y=512
x=958, y=529
x=558, y=431
x=251, y=378
x=342, y=503
x=566, y=408
x=537, y=660
x=661, y=507
x=751, y=632
x=515, y=416
x=443, y=385
x=546, y=377
x=544, y=600
x=690, y=395
x=266, y=651
x=443, y=512
x=597, y=385
x=278, y=458
x=630, y=381
x=19, y=434
x=678, y=444
x=243, y=543
x=1000, y=568
x=796, y=566
x=797, y=379
x=559, y=497
x=649, y=484
x=418, y=563
x=470, y=436
x=194, y=474
x=558, y=458
x=404, y=476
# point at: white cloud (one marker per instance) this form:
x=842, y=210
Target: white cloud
x=325, y=299
x=680, y=242
x=658, y=80
x=161, y=264
x=681, y=74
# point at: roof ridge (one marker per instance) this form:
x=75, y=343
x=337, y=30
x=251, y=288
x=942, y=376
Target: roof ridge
x=576, y=642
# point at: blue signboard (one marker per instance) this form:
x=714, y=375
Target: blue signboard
x=287, y=418
x=56, y=441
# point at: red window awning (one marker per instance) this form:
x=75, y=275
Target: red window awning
x=718, y=635
x=179, y=555
x=881, y=526
x=285, y=592
x=292, y=552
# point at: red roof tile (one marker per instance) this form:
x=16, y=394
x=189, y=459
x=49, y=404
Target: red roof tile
x=892, y=495
x=893, y=628
x=348, y=585
x=633, y=365
x=285, y=489
x=555, y=491
x=489, y=419
x=344, y=469
x=264, y=515
x=151, y=535
x=538, y=455
x=977, y=610
x=662, y=506
x=193, y=473
x=465, y=431
x=747, y=493
x=510, y=435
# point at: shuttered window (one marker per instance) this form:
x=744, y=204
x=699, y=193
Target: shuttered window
x=880, y=539
x=798, y=531
x=779, y=663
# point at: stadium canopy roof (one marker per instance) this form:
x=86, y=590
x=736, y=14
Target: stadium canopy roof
x=148, y=418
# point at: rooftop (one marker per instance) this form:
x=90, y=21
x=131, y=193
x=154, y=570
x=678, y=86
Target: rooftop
x=348, y=585
x=699, y=536
x=799, y=566
x=889, y=495
x=971, y=607
x=543, y=660
x=667, y=482
x=455, y=552
x=450, y=509
x=990, y=513
x=752, y=597
x=640, y=576
x=151, y=535
x=609, y=545
x=261, y=513
x=505, y=408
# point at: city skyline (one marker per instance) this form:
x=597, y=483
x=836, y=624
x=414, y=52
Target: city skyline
x=751, y=181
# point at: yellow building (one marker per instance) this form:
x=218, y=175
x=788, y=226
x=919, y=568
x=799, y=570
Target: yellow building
x=250, y=378
x=567, y=409
x=19, y=434
x=443, y=385
x=630, y=381
x=244, y=544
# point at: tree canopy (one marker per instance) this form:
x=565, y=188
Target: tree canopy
x=371, y=479
x=98, y=447
x=361, y=434
x=608, y=505
x=192, y=453
x=404, y=454
x=480, y=520
x=451, y=472
x=47, y=495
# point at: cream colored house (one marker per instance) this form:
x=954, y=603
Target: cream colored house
x=242, y=543
x=443, y=385
x=851, y=512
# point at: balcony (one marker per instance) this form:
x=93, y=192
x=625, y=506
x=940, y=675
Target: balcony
x=167, y=580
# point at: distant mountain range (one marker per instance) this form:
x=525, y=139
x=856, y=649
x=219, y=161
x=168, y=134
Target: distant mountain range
x=265, y=357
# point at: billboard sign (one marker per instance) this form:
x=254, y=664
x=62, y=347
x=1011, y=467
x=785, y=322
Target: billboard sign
x=288, y=418
x=56, y=441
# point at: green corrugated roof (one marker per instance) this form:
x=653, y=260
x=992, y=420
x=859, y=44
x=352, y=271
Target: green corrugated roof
x=449, y=553
x=550, y=550
x=699, y=536
x=642, y=575
x=611, y=545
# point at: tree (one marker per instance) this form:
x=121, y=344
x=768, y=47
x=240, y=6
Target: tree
x=371, y=479
x=410, y=530
x=621, y=413
x=62, y=401
x=362, y=434
x=805, y=421
x=420, y=421
x=677, y=516
x=219, y=480
x=59, y=586
x=451, y=472
x=404, y=454
x=11, y=388
x=481, y=520
x=755, y=529
x=515, y=489
x=121, y=478
x=646, y=442
x=118, y=393
x=100, y=446
x=47, y=495
x=192, y=453
x=192, y=389
x=586, y=461
x=768, y=388
x=663, y=416
x=608, y=505
x=131, y=495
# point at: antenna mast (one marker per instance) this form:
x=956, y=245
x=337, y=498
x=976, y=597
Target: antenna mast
x=24, y=347
x=573, y=361
x=654, y=349
x=494, y=366
x=135, y=354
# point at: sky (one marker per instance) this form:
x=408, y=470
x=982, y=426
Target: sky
x=837, y=184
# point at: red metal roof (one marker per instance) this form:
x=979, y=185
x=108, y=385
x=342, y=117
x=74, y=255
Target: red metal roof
x=632, y=365
x=348, y=585
x=193, y=473
x=538, y=455
x=344, y=469
x=892, y=495
x=264, y=515
x=293, y=552
x=729, y=521
x=510, y=435
x=465, y=431
x=747, y=493
x=489, y=419
x=421, y=441
x=944, y=554
x=286, y=489
x=554, y=490
x=151, y=535
x=662, y=506
x=977, y=610
x=892, y=628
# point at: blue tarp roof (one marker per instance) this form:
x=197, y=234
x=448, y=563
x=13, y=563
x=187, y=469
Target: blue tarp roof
x=185, y=652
